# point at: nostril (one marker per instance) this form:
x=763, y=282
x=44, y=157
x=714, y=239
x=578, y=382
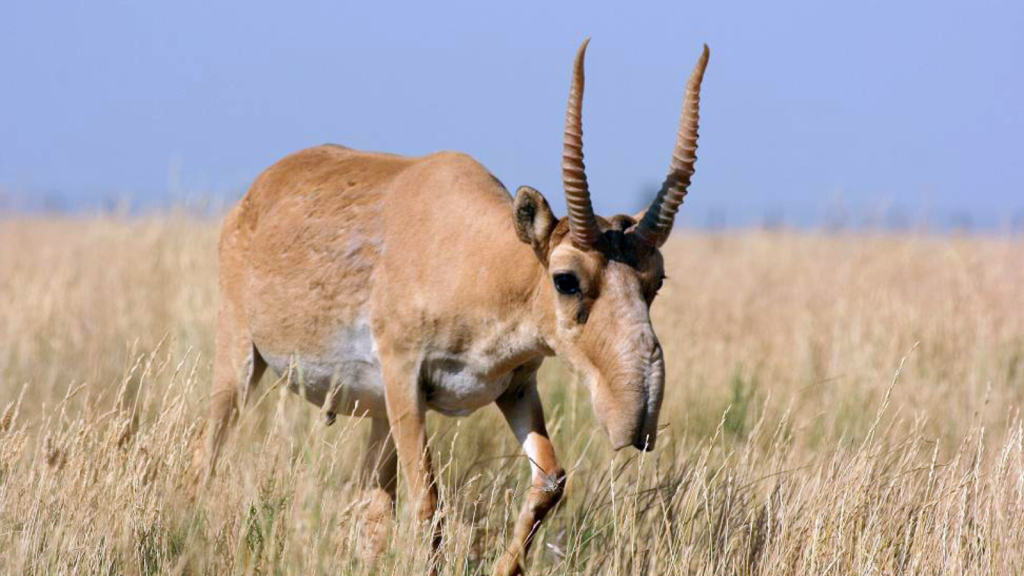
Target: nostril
x=657, y=354
x=643, y=439
x=644, y=442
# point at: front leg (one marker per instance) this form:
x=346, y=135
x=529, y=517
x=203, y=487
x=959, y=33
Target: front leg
x=407, y=413
x=522, y=409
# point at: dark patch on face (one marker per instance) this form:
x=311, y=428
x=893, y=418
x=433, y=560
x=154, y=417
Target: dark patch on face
x=582, y=313
x=617, y=245
x=622, y=222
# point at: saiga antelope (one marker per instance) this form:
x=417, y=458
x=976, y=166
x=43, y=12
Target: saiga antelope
x=394, y=285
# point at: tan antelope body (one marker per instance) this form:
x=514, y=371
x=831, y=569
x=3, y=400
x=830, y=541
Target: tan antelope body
x=384, y=286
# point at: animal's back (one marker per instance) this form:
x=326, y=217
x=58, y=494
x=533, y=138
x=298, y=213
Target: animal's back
x=297, y=258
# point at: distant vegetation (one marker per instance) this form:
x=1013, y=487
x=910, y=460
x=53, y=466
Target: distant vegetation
x=828, y=213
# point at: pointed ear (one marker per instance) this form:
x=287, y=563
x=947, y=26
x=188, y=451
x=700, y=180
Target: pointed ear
x=533, y=220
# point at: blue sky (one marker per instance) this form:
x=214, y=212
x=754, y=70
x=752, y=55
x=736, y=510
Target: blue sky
x=810, y=109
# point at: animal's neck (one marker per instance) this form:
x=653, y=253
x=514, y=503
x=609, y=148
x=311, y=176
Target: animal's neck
x=496, y=292
x=516, y=288
x=532, y=304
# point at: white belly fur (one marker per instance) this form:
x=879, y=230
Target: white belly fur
x=452, y=384
x=456, y=387
x=349, y=363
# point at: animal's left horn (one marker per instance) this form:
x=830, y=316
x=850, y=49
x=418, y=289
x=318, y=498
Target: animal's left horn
x=582, y=222
x=656, y=224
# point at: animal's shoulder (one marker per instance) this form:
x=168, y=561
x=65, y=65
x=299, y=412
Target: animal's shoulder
x=455, y=173
x=453, y=163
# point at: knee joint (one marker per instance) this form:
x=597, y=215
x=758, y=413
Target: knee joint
x=548, y=490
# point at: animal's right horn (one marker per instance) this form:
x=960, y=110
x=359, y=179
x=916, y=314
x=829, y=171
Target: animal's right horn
x=582, y=222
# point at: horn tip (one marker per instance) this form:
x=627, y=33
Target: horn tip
x=702, y=64
x=583, y=47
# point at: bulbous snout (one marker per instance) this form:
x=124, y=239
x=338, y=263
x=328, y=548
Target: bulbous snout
x=628, y=409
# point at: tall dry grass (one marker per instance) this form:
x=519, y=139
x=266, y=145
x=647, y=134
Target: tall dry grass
x=790, y=445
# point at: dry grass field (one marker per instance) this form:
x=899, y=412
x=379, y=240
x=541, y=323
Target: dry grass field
x=791, y=444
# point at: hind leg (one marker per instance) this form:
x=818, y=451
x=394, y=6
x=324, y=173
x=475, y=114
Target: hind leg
x=380, y=471
x=237, y=370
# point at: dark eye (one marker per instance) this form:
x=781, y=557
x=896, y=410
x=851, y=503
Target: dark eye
x=661, y=282
x=567, y=283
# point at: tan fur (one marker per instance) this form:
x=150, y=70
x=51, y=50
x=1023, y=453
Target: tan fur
x=387, y=286
x=425, y=249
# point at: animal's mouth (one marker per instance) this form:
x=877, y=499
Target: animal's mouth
x=643, y=439
x=643, y=432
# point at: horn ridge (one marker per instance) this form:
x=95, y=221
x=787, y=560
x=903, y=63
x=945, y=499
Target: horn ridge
x=582, y=222
x=657, y=222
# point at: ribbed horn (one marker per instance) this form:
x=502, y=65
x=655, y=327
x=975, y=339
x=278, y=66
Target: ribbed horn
x=582, y=222
x=656, y=224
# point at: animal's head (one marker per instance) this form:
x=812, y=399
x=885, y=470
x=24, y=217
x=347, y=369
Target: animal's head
x=601, y=275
